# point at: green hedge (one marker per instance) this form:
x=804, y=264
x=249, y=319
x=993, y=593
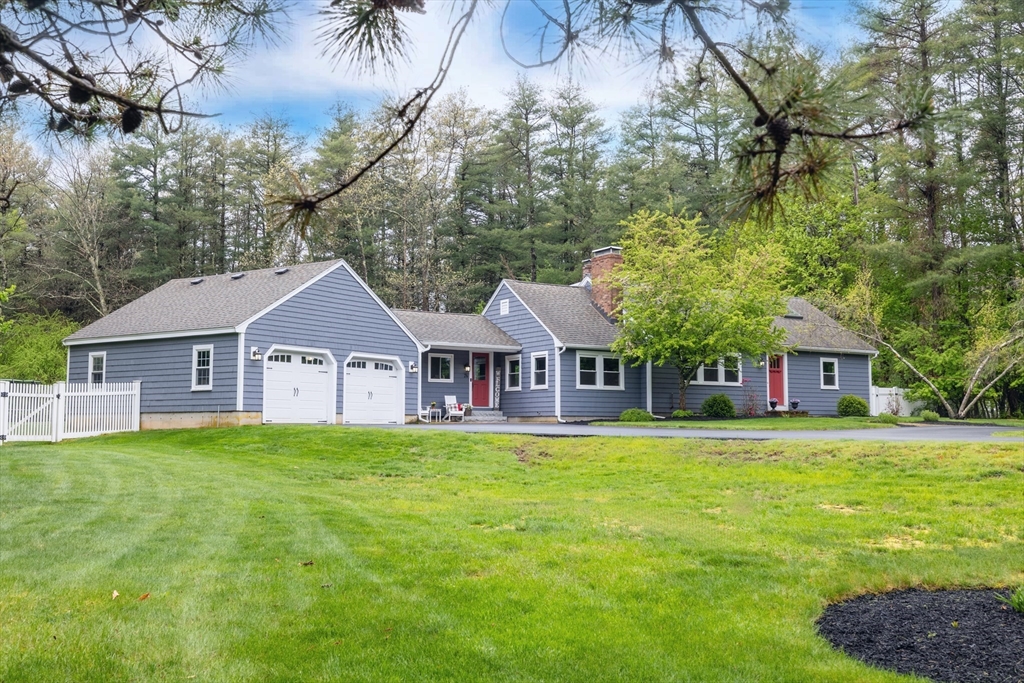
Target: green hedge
x=930, y=416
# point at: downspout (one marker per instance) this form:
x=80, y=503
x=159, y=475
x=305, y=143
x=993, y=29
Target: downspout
x=240, y=379
x=419, y=381
x=650, y=392
x=558, y=384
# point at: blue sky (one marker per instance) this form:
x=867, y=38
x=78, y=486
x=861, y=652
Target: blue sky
x=292, y=80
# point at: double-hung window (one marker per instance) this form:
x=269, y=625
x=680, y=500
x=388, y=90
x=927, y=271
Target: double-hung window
x=202, y=367
x=513, y=373
x=97, y=367
x=829, y=373
x=728, y=370
x=539, y=368
x=441, y=367
x=598, y=371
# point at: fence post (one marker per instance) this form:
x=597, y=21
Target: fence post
x=5, y=403
x=57, y=413
x=136, y=403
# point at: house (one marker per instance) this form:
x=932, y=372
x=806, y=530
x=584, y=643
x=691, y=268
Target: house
x=313, y=344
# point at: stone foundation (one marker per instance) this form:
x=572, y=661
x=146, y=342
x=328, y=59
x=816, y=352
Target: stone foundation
x=232, y=418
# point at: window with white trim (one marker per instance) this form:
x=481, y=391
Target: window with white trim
x=202, y=367
x=97, y=367
x=503, y=307
x=440, y=367
x=727, y=371
x=598, y=371
x=539, y=370
x=513, y=373
x=829, y=373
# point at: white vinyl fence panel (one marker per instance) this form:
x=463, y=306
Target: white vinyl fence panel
x=53, y=412
x=891, y=400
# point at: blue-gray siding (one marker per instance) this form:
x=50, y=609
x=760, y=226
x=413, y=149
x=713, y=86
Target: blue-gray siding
x=804, y=382
x=600, y=402
x=522, y=326
x=334, y=313
x=165, y=368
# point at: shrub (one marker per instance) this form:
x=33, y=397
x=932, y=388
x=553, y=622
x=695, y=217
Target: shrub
x=852, y=406
x=718, y=405
x=888, y=419
x=679, y=414
x=635, y=415
x=930, y=416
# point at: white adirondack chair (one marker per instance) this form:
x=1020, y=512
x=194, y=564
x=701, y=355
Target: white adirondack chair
x=451, y=409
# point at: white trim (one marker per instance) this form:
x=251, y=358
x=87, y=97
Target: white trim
x=699, y=377
x=821, y=373
x=195, y=360
x=451, y=367
x=842, y=352
x=599, y=372
x=67, y=369
x=558, y=383
x=149, y=335
x=481, y=348
x=240, y=373
x=509, y=359
x=88, y=375
x=401, y=382
x=489, y=380
x=547, y=370
x=650, y=390
x=332, y=397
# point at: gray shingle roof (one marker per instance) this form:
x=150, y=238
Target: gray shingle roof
x=218, y=302
x=571, y=315
x=456, y=330
x=813, y=329
x=568, y=312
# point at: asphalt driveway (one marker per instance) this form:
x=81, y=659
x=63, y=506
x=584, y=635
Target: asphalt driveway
x=968, y=433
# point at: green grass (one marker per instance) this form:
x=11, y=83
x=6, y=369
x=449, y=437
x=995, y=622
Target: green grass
x=769, y=423
x=459, y=557
x=1018, y=433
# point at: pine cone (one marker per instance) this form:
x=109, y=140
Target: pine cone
x=18, y=87
x=131, y=119
x=76, y=93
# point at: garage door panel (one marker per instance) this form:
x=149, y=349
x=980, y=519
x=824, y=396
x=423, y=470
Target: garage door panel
x=372, y=389
x=297, y=389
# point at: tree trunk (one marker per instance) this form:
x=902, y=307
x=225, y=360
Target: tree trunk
x=685, y=377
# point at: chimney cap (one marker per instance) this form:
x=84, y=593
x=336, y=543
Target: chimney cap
x=604, y=251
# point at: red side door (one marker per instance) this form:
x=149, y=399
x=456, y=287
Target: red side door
x=481, y=379
x=776, y=383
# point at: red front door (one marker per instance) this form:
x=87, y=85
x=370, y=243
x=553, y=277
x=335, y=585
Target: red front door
x=776, y=383
x=481, y=380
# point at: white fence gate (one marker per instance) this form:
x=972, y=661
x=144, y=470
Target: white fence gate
x=53, y=412
x=891, y=399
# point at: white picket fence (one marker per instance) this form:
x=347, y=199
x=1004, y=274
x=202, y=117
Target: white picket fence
x=889, y=399
x=53, y=412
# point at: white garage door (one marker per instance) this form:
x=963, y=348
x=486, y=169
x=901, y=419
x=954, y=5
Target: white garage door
x=372, y=392
x=297, y=388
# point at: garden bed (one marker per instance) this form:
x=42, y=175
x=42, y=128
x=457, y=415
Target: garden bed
x=959, y=636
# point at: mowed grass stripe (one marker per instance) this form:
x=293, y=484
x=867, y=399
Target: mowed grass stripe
x=471, y=557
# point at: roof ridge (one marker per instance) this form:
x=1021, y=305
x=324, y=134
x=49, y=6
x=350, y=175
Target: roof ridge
x=247, y=272
x=544, y=284
x=413, y=310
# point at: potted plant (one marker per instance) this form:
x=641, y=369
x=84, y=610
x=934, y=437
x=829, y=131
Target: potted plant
x=468, y=407
x=773, y=402
x=794, y=403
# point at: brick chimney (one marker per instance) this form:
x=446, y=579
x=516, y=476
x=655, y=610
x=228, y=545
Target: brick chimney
x=601, y=264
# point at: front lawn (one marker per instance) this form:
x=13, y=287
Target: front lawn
x=315, y=554
x=770, y=423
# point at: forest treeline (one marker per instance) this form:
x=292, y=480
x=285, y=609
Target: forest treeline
x=932, y=216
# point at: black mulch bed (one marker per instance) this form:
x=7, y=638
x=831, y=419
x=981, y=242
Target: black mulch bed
x=959, y=636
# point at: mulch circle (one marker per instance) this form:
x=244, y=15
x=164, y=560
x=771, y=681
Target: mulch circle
x=955, y=636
